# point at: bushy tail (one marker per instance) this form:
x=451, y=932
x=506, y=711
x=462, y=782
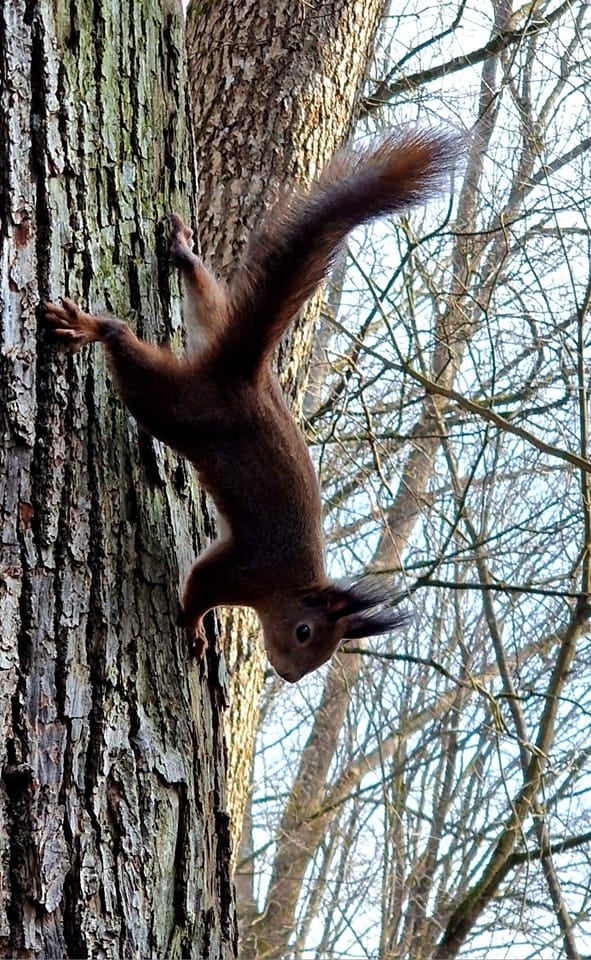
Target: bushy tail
x=291, y=253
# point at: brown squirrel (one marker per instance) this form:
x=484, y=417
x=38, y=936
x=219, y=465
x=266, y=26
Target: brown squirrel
x=221, y=406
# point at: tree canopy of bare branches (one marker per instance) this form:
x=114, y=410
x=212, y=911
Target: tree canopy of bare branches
x=428, y=795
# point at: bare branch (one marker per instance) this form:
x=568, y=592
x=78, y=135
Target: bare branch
x=387, y=89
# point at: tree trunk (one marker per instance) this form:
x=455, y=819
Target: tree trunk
x=275, y=88
x=114, y=837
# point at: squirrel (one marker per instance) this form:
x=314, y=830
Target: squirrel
x=221, y=406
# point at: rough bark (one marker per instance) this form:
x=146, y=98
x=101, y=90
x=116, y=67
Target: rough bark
x=114, y=837
x=275, y=88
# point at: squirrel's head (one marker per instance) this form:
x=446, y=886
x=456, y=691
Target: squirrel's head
x=303, y=630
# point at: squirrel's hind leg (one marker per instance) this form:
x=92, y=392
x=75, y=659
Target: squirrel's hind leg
x=206, y=302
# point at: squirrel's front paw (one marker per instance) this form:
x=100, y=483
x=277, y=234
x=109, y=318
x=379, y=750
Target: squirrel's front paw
x=197, y=639
x=181, y=236
x=195, y=633
x=71, y=324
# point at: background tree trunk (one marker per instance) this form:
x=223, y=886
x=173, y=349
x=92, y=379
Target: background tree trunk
x=275, y=88
x=114, y=838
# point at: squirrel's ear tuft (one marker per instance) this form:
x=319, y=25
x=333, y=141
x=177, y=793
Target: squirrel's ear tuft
x=352, y=596
x=363, y=607
x=370, y=624
x=367, y=604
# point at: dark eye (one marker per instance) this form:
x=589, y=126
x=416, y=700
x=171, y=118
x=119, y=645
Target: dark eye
x=302, y=632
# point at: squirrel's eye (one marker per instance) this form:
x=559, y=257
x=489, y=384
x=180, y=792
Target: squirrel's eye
x=302, y=632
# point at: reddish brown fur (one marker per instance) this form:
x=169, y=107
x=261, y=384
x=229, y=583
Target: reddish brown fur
x=221, y=406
